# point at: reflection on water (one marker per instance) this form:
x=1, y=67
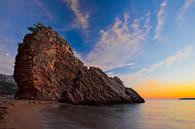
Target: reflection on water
x=154, y=114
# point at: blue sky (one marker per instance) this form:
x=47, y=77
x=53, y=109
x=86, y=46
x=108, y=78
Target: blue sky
x=136, y=40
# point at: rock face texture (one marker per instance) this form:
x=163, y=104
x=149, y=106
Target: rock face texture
x=46, y=69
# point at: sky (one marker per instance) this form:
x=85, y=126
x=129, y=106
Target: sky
x=148, y=44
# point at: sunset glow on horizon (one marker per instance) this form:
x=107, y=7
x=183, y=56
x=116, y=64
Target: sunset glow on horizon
x=153, y=89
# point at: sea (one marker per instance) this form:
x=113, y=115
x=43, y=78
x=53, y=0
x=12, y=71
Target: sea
x=153, y=114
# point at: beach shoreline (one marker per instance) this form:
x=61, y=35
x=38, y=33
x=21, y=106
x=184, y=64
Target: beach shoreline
x=21, y=114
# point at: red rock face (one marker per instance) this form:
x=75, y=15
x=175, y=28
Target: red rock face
x=46, y=69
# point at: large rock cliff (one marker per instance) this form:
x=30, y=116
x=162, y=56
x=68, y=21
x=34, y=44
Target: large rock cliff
x=46, y=69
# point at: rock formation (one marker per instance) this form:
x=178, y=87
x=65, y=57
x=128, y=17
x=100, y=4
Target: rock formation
x=46, y=69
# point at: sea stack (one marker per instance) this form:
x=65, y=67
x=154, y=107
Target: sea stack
x=46, y=69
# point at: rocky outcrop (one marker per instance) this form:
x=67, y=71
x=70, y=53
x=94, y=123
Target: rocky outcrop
x=46, y=69
x=7, y=85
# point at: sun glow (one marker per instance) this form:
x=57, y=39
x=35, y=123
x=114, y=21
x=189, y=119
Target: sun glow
x=154, y=89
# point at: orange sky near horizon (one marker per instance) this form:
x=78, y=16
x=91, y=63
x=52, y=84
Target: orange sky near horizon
x=154, y=89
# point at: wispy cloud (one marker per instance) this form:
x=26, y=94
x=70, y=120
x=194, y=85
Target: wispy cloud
x=82, y=17
x=6, y=52
x=45, y=9
x=182, y=11
x=119, y=43
x=180, y=56
x=7, y=64
x=160, y=20
x=112, y=68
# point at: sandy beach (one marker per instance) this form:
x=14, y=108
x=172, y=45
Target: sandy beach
x=21, y=114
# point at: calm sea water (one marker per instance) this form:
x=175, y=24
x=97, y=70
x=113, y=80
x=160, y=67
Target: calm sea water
x=154, y=114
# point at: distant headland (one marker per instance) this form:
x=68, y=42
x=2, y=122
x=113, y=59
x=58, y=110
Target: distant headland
x=186, y=98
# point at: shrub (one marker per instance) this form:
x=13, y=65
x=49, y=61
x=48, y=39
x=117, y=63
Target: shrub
x=37, y=26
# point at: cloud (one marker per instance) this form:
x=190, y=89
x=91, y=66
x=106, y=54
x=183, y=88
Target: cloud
x=177, y=58
x=83, y=18
x=180, y=56
x=182, y=11
x=160, y=20
x=6, y=61
x=46, y=10
x=6, y=53
x=112, y=68
x=119, y=43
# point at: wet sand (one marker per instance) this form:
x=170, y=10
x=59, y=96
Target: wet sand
x=21, y=114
